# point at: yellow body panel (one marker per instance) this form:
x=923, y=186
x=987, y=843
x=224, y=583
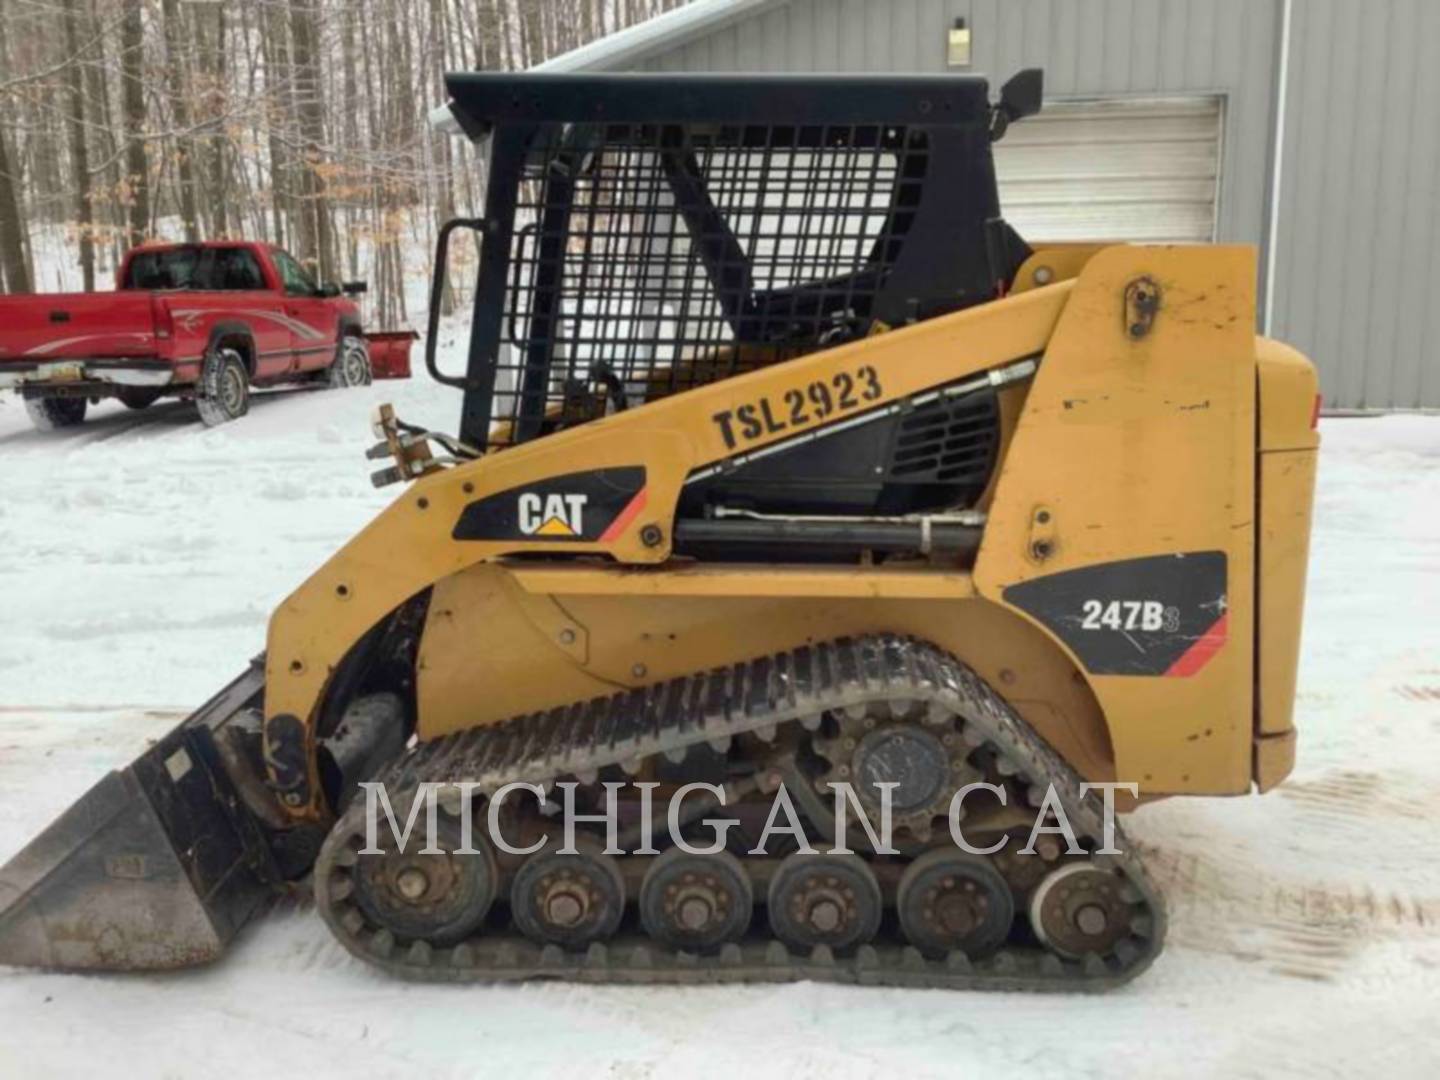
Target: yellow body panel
x=1287, y=456
x=576, y=645
x=1133, y=446
x=1142, y=447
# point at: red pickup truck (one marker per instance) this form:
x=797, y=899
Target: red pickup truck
x=203, y=321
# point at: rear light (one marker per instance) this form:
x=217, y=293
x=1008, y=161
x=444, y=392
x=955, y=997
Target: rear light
x=164, y=322
x=1315, y=412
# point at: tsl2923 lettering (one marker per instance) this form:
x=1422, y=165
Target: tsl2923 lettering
x=798, y=407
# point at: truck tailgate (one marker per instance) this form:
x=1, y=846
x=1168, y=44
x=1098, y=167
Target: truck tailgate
x=62, y=326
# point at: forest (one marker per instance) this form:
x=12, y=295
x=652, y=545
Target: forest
x=301, y=123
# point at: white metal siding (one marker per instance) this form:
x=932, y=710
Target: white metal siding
x=1357, y=214
x=1088, y=48
x=1357, y=267
x=1118, y=169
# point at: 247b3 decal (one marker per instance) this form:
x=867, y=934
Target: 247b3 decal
x=799, y=406
x=1162, y=615
x=1129, y=615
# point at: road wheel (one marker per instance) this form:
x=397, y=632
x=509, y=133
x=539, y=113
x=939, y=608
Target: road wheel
x=49, y=414
x=696, y=902
x=950, y=900
x=351, y=366
x=137, y=397
x=822, y=899
x=224, y=390
x=568, y=900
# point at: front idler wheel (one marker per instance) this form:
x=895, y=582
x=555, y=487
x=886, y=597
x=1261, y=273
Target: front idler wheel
x=949, y=901
x=568, y=900
x=820, y=899
x=696, y=902
x=439, y=898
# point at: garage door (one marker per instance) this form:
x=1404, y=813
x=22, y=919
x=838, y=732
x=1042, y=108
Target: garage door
x=1116, y=169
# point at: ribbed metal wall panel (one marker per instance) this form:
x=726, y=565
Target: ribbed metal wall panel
x=1144, y=48
x=1357, y=217
x=1357, y=272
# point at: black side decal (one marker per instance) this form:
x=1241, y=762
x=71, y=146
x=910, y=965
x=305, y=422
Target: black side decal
x=581, y=506
x=1161, y=615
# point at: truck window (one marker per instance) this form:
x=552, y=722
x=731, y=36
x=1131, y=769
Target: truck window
x=236, y=268
x=211, y=269
x=170, y=268
x=297, y=282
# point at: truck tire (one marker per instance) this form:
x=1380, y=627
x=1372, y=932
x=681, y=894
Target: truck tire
x=224, y=391
x=52, y=413
x=351, y=366
x=137, y=397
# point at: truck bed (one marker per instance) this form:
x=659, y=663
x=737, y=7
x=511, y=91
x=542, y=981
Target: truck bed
x=74, y=326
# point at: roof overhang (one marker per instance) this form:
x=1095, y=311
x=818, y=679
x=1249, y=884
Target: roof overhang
x=626, y=48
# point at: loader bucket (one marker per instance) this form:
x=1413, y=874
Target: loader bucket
x=158, y=865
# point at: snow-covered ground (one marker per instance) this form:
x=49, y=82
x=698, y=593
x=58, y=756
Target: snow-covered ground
x=141, y=554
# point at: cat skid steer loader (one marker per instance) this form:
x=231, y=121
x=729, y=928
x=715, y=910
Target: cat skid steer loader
x=783, y=463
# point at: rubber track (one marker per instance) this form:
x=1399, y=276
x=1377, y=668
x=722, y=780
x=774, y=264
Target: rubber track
x=753, y=696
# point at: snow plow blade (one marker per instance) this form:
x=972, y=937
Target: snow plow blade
x=157, y=866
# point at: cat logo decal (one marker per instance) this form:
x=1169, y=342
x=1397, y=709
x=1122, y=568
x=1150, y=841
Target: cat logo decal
x=593, y=506
x=556, y=514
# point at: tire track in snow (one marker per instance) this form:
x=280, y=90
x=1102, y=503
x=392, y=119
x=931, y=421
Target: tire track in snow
x=1224, y=900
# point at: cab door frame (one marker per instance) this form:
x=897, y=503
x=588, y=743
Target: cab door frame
x=309, y=315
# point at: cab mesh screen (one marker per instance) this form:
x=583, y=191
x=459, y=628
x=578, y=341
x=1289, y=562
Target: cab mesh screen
x=648, y=259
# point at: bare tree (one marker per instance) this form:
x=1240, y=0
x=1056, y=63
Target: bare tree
x=12, y=247
x=79, y=150
x=181, y=141
x=137, y=165
x=315, y=240
x=300, y=121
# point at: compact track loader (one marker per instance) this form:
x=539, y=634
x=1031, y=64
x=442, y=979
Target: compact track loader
x=783, y=464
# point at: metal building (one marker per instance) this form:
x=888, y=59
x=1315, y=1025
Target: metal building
x=1310, y=128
